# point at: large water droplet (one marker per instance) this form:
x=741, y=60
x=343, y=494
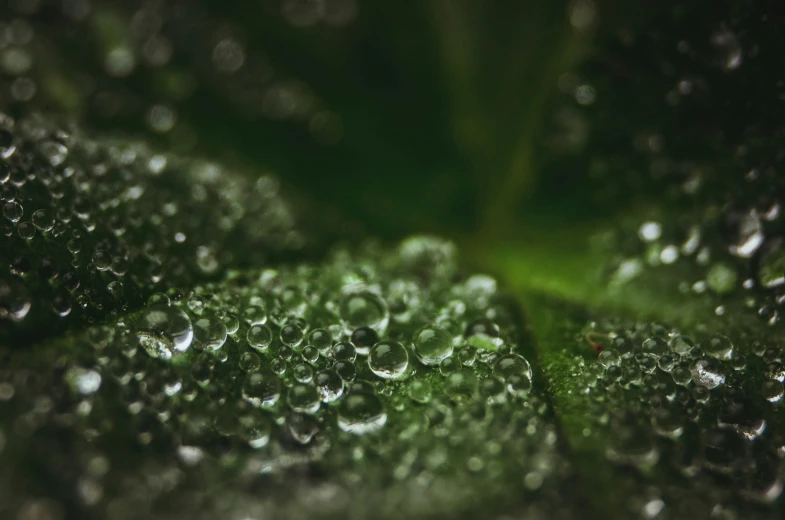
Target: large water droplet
x=164, y=331
x=388, y=359
x=432, y=345
x=262, y=388
x=512, y=364
x=210, y=331
x=364, y=309
x=708, y=372
x=14, y=300
x=361, y=413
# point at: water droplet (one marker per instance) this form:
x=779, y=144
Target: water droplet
x=363, y=339
x=329, y=384
x=164, y=331
x=519, y=385
x=361, y=413
x=483, y=333
x=303, y=373
x=449, y=365
x=772, y=267
x=609, y=357
x=259, y=337
x=249, y=361
x=432, y=345
x=262, y=388
x=255, y=315
x=15, y=300
x=291, y=335
x=83, y=381
x=43, y=220
x=344, y=352
x=210, y=331
x=512, y=364
x=743, y=231
x=720, y=347
x=304, y=398
x=461, y=385
x=321, y=339
x=13, y=211
x=388, y=359
x=255, y=430
x=345, y=369
x=302, y=427
x=419, y=391
x=772, y=390
x=708, y=372
x=364, y=309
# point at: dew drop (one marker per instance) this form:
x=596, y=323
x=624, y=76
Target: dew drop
x=15, y=300
x=708, y=372
x=512, y=364
x=262, y=388
x=363, y=339
x=164, y=331
x=304, y=398
x=210, y=331
x=329, y=384
x=364, y=309
x=361, y=413
x=260, y=337
x=432, y=345
x=388, y=359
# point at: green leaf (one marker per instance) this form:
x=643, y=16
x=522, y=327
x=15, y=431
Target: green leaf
x=220, y=297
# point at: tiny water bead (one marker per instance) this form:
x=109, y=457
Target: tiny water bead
x=304, y=398
x=388, y=359
x=361, y=413
x=259, y=337
x=363, y=338
x=432, y=345
x=255, y=315
x=162, y=331
x=291, y=335
x=364, y=309
x=310, y=354
x=329, y=384
x=321, y=339
x=419, y=391
x=449, y=365
x=302, y=373
x=249, y=361
x=512, y=364
x=262, y=388
x=483, y=333
x=255, y=430
x=772, y=390
x=43, y=220
x=344, y=352
x=231, y=322
x=708, y=372
x=720, y=347
x=345, y=369
x=13, y=211
x=15, y=300
x=210, y=331
x=461, y=385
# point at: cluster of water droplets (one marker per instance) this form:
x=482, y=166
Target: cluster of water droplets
x=699, y=421
x=92, y=227
x=395, y=375
x=732, y=260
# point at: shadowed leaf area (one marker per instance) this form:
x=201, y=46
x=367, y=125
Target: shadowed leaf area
x=352, y=259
